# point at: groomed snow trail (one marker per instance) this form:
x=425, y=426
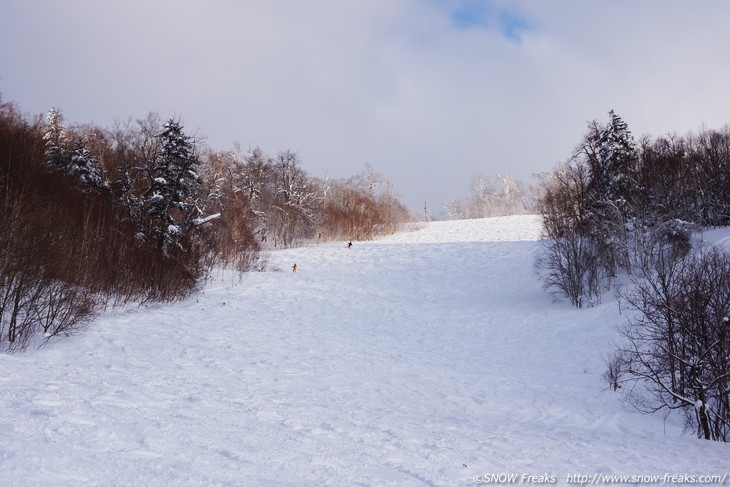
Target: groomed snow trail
x=422, y=359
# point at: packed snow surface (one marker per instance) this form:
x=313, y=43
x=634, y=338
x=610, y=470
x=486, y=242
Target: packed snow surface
x=428, y=358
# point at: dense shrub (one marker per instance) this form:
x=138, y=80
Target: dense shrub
x=614, y=193
x=361, y=208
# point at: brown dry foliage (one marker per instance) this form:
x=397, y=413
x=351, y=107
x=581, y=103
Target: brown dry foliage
x=353, y=213
x=66, y=253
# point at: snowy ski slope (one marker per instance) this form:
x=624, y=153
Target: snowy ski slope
x=428, y=358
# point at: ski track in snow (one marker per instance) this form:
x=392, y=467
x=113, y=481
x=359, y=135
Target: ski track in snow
x=421, y=359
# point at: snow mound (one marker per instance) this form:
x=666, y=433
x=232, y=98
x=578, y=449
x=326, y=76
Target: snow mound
x=499, y=229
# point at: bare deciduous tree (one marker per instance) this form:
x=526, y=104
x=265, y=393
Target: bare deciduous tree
x=676, y=352
x=568, y=258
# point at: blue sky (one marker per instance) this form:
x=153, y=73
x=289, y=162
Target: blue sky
x=487, y=15
x=429, y=92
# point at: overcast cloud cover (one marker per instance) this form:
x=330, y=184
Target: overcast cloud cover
x=430, y=92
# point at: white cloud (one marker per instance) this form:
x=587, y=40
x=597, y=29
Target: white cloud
x=397, y=84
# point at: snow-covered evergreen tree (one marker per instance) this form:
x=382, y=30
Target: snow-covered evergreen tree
x=169, y=201
x=83, y=168
x=75, y=162
x=54, y=135
x=611, y=160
